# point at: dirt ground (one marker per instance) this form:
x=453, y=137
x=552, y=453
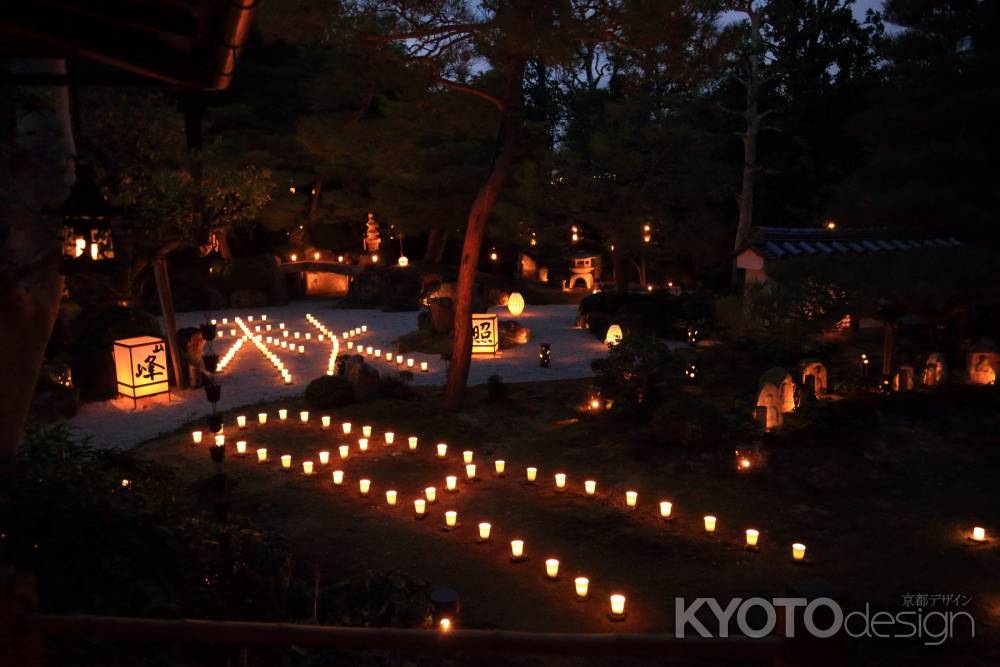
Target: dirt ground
x=878, y=526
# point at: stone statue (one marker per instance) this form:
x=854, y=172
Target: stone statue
x=372, y=239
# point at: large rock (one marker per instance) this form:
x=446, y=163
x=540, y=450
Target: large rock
x=513, y=333
x=364, y=379
x=442, y=315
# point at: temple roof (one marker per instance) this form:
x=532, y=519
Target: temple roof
x=788, y=242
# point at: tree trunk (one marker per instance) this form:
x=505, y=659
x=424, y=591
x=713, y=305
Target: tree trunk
x=36, y=169
x=436, y=240
x=162, y=277
x=482, y=206
x=888, y=347
x=752, y=129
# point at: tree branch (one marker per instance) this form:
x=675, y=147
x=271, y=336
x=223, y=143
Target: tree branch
x=471, y=90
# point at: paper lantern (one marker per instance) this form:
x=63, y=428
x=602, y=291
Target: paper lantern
x=614, y=335
x=366, y=431
x=325, y=421
x=390, y=497
x=412, y=440
x=241, y=447
x=307, y=467
x=485, y=334
x=499, y=465
x=282, y=414
x=390, y=437
x=470, y=471
x=262, y=418
x=141, y=366
x=344, y=451
x=196, y=437
x=364, y=486
x=346, y=427
x=286, y=461
x=451, y=483
x=515, y=304
x=241, y=421
x=560, y=481
x=442, y=450
x=978, y=534
x=531, y=474
x=419, y=507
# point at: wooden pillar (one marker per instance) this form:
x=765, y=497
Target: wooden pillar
x=162, y=278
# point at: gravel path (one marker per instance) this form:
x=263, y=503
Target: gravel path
x=249, y=378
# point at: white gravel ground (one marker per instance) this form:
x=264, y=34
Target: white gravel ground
x=251, y=379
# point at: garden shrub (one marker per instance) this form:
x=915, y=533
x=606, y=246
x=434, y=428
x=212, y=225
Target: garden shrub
x=637, y=374
x=396, y=385
x=690, y=421
x=387, y=288
x=253, y=274
x=329, y=391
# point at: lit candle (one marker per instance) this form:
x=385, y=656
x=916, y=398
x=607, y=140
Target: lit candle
x=241, y=421
x=552, y=568
x=388, y=356
x=241, y=447
x=581, y=584
x=344, y=451
x=442, y=450
x=262, y=418
x=451, y=518
x=531, y=474
x=390, y=437
x=364, y=486
x=423, y=366
x=350, y=345
x=220, y=440
x=752, y=537
x=413, y=442
x=363, y=444
x=324, y=457
x=338, y=477
x=467, y=456
x=590, y=487
x=631, y=498
x=560, y=481
x=499, y=466
x=484, y=531
x=366, y=431
x=262, y=455
x=709, y=523
x=282, y=414
x=346, y=427
x=979, y=534
x=307, y=467
x=431, y=493
x=369, y=349
x=617, y=605
x=304, y=416
x=325, y=421
x=451, y=483
x=364, y=328
x=419, y=507
x=286, y=461
x=196, y=437
x=390, y=497
x=409, y=363
x=517, y=549
x=798, y=551
x=666, y=508
x=470, y=471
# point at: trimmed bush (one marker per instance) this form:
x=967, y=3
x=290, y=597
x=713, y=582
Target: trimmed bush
x=329, y=391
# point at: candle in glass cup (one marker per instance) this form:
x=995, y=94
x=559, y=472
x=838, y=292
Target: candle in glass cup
x=390, y=497
x=241, y=447
x=262, y=455
x=581, y=584
x=412, y=440
x=304, y=416
x=551, y=568
x=364, y=486
x=531, y=474
x=590, y=487
x=517, y=549
x=752, y=537
x=282, y=414
x=631, y=499
x=431, y=494
x=499, y=465
x=470, y=471
x=560, y=481
x=338, y=477
x=484, y=531
x=618, y=605
x=798, y=551
x=241, y=421
x=324, y=457
x=344, y=451
x=196, y=437
x=346, y=428
x=363, y=444
x=666, y=509
x=710, y=523
x=262, y=418
x=286, y=461
x=451, y=518
x=467, y=456
x=307, y=467
x=325, y=421
x=451, y=483
x=390, y=437
x=419, y=507
x=366, y=431
x=442, y=450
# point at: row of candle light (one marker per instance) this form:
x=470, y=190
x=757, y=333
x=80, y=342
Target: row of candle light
x=331, y=364
x=263, y=349
x=389, y=357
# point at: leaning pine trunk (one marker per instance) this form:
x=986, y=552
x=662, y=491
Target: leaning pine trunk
x=482, y=206
x=36, y=170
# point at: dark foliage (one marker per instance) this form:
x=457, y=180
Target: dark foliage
x=329, y=391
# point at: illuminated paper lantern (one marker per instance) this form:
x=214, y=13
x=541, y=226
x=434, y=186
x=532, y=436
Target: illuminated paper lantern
x=614, y=335
x=390, y=497
x=451, y=483
x=470, y=471
x=560, y=481
x=390, y=437
x=363, y=444
x=531, y=474
x=262, y=418
x=485, y=334
x=344, y=451
x=515, y=304
x=241, y=447
x=442, y=450
x=366, y=431
x=364, y=486
x=241, y=421
x=141, y=366
x=978, y=534
x=307, y=467
x=196, y=437
x=419, y=507
x=499, y=465
x=286, y=461
x=346, y=427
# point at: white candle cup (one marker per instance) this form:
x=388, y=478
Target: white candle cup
x=304, y=416
x=262, y=455
x=307, y=467
x=551, y=568
x=196, y=437
x=978, y=534
x=241, y=447
x=364, y=328
x=631, y=499
x=390, y=498
x=617, y=606
x=419, y=507
x=590, y=487
x=517, y=549
x=451, y=483
x=423, y=367
x=346, y=428
x=286, y=461
x=450, y=519
x=325, y=421
x=798, y=552
x=282, y=414
x=484, y=531
x=752, y=537
x=560, y=481
x=261, y=418
x=582, y=585
x=338, y=477
x=467, y=456
x=388, y=356
x=363, y=444
x=531, y=474
x=369, y=349
x=366, y=431
x=241, y=421
x=442, y=450
x=666, y=509
x=470, y=471
x=324, y=457
x=412, y=441
x=390, y=438
x=344, y=451
x=499, y=466
x=710, y=522
x=364, y=486
x=431, y=494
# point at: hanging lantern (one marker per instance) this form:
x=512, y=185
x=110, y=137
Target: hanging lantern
x=515, y=304
x=87, y=217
